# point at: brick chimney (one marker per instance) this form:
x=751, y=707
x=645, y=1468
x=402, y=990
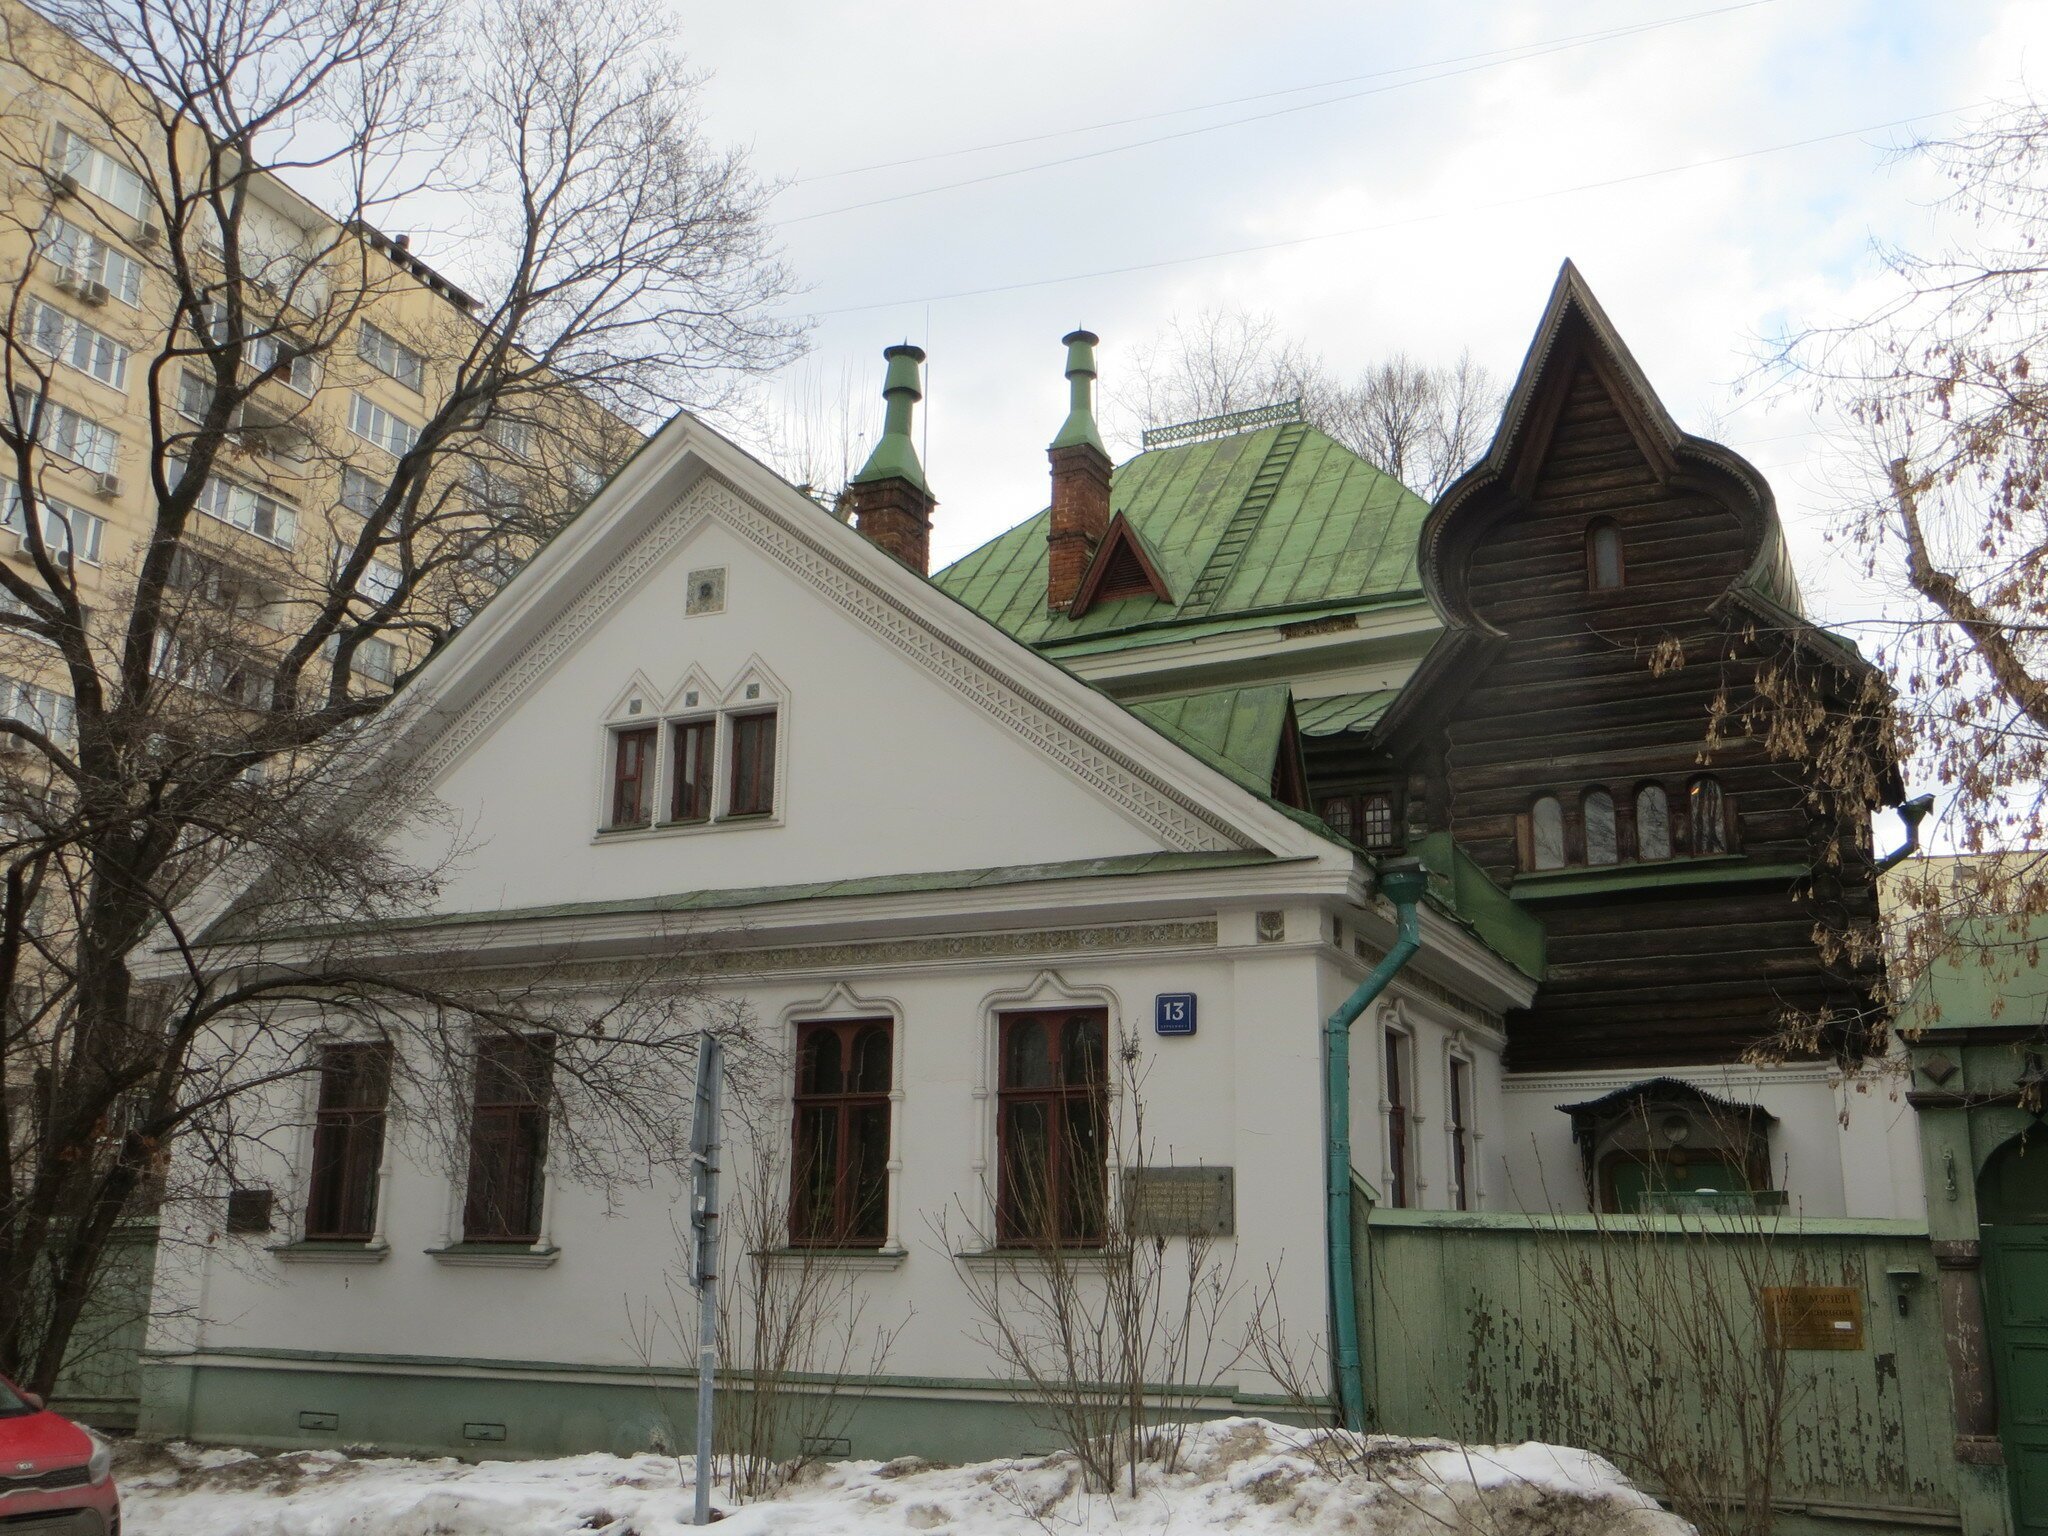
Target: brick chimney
x=1080, y=480
x=888, y=500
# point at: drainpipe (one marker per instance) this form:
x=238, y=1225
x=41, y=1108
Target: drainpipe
x=1402, y=882
x=1912, y=813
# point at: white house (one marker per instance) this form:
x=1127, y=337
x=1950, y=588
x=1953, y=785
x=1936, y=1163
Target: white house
x=955, y=845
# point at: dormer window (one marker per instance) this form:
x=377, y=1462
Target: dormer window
x=1604, y=571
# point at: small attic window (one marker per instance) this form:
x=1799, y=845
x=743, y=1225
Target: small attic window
x=1604, y=572
x=1124, y=576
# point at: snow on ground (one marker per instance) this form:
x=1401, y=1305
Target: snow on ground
x=1243, y=1476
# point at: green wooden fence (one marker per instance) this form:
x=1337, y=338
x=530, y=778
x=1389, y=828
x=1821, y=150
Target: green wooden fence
x=1489, y=1328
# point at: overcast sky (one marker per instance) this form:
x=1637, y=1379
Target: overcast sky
x=1414, y=173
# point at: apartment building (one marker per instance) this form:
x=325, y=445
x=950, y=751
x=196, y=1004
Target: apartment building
x=353, y=342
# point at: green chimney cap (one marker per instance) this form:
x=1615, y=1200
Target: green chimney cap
x=1079, y=427
x=895, y=456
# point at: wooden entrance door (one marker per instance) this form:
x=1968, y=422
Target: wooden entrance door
x=2012, y=1208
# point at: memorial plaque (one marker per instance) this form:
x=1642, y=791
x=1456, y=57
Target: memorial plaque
x=1813, y=1316
x=1181, y=1202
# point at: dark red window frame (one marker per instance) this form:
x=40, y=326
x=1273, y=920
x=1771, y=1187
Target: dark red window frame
x=753, y=765
x=348, y=1141
x=633, y=754
x=695, y=752
x=1461, y=1134
x=839, y=1169
x=1397, y=1122
x=1052, y=1122
x=508, y=1139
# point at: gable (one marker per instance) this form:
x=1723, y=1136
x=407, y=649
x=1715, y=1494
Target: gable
x=900, y=751
x=1121, y=568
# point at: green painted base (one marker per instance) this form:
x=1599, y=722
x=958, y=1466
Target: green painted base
x=481, y=1413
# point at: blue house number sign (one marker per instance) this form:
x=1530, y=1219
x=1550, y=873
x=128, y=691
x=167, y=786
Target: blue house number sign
x=1173, y=1013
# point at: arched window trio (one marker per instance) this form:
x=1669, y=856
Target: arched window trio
x=1644, y=828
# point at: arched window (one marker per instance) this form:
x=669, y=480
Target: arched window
x=1603, y=555
x=1653, y=822
x=1546, y=833
x=1709, y=817
x=1600, y=843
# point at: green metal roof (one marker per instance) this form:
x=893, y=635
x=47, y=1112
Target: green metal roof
x=1315, y=528
x=1991, y=974
x=1341, y=712
x=1237, y=731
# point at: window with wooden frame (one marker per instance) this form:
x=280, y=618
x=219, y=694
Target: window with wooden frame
x=1543, y=834
x=695, y=743
x=633, y=752
x=1371, y=818
x=839, y=1193
x=1461, y=1133
x=508, y=1139
x=1597, y=810
x=1396, y=1090
x=753, y=765
x=1052, y=1111
x=1653, y=822
x=1604, y=568
x=1709, y=816
x=348, y=1141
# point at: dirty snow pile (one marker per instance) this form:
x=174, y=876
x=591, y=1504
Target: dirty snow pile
x=1243, y=1476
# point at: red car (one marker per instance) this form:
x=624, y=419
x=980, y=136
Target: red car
x=56, y=1478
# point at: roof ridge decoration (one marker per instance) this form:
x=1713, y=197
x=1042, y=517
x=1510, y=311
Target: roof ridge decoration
x=1121, y=539
x=1228, y=424
x=1575, y=329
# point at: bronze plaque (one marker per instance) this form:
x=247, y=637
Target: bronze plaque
x=1813, y=1316
x=1181, y=1202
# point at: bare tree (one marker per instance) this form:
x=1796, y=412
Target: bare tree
x=1942, y=393
x=301, y=555
x=1423, y=424
x=1113, y=1325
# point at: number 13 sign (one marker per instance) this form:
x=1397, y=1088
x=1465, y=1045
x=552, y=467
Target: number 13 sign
x=1173, y=1013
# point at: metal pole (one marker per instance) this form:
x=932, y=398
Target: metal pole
x=704, y=1225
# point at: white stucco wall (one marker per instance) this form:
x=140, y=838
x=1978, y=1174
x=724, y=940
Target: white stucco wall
x=1867, y=1167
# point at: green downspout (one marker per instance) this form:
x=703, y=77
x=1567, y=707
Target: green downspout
x=1401, y=882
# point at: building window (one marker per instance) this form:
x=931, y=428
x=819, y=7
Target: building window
x=515, y=437
x=1399, y=1191
x=1546, y=833
x=1368, y=818
x=69, y=533
x=387, y=354
x=1461, y=1134
x=67, y=433
x=633, y=776
x=508, y=1139
x=753, y=765
x=1653, y=822
x=81, y=257
x=98, y=172
x=360, y=493
x=348, y=1141
x=1598, y=807
x=691, y=800
x=840, y=1168
x=40, y=709
x=373, y=424
x=1051, y=1127
x=297, y=370
x=242, y=507
x=1604, y=570
x=91, y=352
x=1709, y=817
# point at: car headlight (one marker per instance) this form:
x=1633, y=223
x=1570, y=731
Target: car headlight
x=101, y=1462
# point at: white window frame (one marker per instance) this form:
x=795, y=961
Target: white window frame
x=301, y=376
x=379, y=427
x=1457, y=1055
x=83, y=255
x=66, y=529
x=101, y=450
x=244, y=507
x=1394, y=1031
x=80, y=347
x=51, y=712
x=391, y=357
x=73, y=154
